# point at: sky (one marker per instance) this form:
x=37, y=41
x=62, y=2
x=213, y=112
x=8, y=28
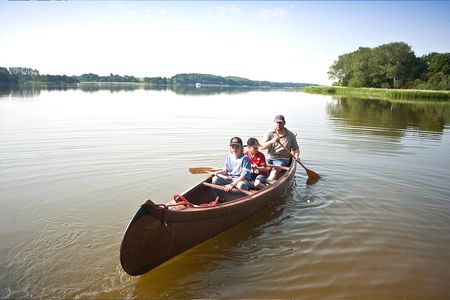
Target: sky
x=293, y=41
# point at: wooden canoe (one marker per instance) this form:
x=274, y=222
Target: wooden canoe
x=156, y=233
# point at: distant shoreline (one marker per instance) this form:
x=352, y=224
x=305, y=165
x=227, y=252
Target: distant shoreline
x=19, y=75
x=142, y=84
x=116, y=83
x=378, y=92
x=179, y=84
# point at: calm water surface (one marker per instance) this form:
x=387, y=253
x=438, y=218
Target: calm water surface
x=76, y=164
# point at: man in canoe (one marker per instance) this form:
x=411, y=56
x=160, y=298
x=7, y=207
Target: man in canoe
x=237, y=169
x=277, y=154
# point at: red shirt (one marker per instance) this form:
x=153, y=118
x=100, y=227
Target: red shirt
x=259, y=160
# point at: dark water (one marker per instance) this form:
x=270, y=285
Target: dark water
x=75, y=164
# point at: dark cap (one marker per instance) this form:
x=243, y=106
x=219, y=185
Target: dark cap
x=280, y=118
x=236, y=141
x=252, y=142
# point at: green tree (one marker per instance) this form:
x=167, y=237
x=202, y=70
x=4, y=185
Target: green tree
x=6, y=78
x=438, y=62
x=90, y=77
x=392, y=65
x=24, y=74
x=353, y=69
x=341, y=70
x=156, y=80
x=436, y=74
x=397, y=63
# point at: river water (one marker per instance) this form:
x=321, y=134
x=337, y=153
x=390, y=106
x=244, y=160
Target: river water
x=75, y=164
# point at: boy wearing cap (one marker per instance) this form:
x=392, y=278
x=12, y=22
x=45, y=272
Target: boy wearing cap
x=277, y=155
x=237, y=167
x=259, y=165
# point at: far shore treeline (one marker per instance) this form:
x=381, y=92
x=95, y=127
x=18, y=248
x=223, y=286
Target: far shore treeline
x=392, y=65
x=19, y=75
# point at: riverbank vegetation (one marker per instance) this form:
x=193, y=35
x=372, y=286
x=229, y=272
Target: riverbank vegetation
x=392, y=65
x=379, y=93
x=17, y=75
x=389, y=71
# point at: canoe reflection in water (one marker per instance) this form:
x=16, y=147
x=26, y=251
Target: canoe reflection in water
x=158, y=233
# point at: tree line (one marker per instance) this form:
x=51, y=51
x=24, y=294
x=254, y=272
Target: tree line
x=18, y=75
x=392, y=65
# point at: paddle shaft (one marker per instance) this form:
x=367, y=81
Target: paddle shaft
x=221, y=176
x=310, y=173
x=211, y=170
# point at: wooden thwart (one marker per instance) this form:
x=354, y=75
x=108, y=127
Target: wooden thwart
x=234, y=190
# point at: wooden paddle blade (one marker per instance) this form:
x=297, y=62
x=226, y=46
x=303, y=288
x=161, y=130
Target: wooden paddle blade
x=203, y=170
x=311, y=180
x=312, y=174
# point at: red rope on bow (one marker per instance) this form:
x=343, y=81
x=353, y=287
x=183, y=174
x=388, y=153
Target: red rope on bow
x=185, y=202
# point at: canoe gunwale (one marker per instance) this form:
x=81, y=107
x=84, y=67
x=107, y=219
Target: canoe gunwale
x=202, y=213
x=155, y=234
x=281, y=181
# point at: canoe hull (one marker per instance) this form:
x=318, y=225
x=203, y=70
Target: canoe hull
x=156, y=234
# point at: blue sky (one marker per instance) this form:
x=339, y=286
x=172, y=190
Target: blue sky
x=278, y=41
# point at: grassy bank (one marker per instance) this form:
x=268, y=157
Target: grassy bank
x=378, y=93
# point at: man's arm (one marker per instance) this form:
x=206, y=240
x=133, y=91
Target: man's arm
x=295, y=148
x=268, y=141
x=296, y=153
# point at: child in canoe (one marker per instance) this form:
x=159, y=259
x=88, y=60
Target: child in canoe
x=258, y=162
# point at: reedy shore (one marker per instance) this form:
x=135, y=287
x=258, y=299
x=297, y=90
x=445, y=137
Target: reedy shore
x=379, y=93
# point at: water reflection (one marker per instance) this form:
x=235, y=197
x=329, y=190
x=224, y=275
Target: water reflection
x=34, y=90
x=391, y=116
x=19, y=92
x=212, y=90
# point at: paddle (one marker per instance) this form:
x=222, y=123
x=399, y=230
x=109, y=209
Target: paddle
x=312, y=176
x=206, y=170
x=203, y=170
x=221, y=176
